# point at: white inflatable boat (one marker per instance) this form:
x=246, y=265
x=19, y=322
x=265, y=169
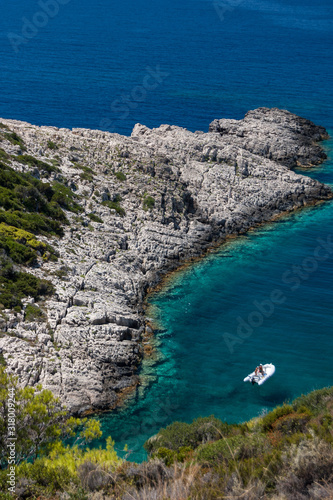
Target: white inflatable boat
x=260, y=378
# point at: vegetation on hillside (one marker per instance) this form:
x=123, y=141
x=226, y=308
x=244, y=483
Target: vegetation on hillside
x=15, y=285
x=38, y=424
x=32, y=205
x=14, y=138
x=115, y=205
x=286, y=454
x=148, y=202
x=28, y=208
x=87, y=173
x=43, y=167
x=120, y=176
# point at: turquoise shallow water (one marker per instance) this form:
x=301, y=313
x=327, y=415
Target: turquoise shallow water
x=200, y=358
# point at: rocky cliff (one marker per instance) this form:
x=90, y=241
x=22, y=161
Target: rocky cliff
x=144, y=205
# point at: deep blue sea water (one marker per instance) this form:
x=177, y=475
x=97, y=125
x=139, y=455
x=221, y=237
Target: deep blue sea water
x=109, y=65
x=83, y=67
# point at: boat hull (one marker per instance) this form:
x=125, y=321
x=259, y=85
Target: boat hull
x=269, y=370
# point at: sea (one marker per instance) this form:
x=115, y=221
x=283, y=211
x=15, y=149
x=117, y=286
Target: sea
x=264, y=297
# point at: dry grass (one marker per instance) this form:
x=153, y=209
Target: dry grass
x=308, y=471
x=177, y=488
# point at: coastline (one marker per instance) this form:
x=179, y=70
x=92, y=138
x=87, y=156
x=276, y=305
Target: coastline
x=216, y=246
x=184, y=195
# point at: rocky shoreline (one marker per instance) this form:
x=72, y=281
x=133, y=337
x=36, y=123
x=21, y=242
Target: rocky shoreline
x=150, y=202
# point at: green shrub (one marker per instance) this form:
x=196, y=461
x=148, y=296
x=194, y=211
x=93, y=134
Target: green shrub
x=33, y=205
x=148, y=203
x=84, y=168
x=15, y=285
x=86, y=176
x=64, y=196
x=34, y=313
x=87, y=173
x=115, y=205
x=20, y=254
x=171, y=456
x=45, y=479
x=3, y=155
x=326, y=421
x=316, y=401
x=41, y=424
x=15, y=139
x=94, y=218
x=62, y=272
x=4, y=492
x=292, y=423
x=233, y=448
x=22, y=236
x=120, y=176
x=269, y=419
x=168, y=456
x=34, y=223
x=179, y=434
x=34, y=162
x=63, y=465
x=51, y=144
x=322, y=426
x=22, y=246
x=264, y=467
x=2, y=360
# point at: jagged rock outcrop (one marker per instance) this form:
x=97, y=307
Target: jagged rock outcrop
x=150, y=201
x=276, y=134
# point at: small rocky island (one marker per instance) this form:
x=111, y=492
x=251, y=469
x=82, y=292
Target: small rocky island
x=131, y=210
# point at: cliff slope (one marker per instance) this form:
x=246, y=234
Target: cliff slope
x=121, y=212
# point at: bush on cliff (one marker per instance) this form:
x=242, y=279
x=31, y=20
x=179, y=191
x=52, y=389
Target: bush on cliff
x=261, y=459
x=32, y=205
x=14, y=139
x=95, y=218
x=69, y=467
x=15, y=285
x=115, y=205
x=148, y=202
x=23, y=247
x=180, y=434
x=51, y=144
x=36, y=419
x=34, y=313
x=28, y=207
x=42, y=166
x=16, y=251
x=315, y=401
x=120, y=176
x=39, y=424
x=233, y=448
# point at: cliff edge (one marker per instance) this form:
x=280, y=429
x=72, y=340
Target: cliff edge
x=140, y=206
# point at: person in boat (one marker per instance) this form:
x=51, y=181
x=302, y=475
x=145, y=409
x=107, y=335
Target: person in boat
x=260, y=370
